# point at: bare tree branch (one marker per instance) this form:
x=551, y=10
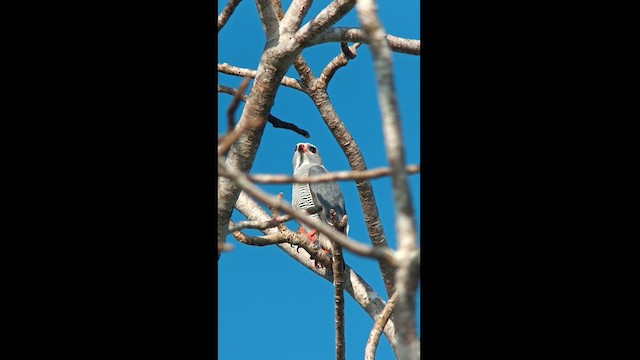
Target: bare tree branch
x=269, y=20
x=378, y=326
x=239, y=95
x=317, y=92
x=233, y=132
x=259, y=225
x=282, y=49
x=274, y=222
x=354, y=285
x=337, y=62
x=332, y=176
x=327, y=17
x=408, y=344
x=293, y=17
x=237, y=71
x=349, y=34
x=338, y=284
x=348, y=243
x=226, y=13
x=274, y=121
x=277, y=123
x=356, y=162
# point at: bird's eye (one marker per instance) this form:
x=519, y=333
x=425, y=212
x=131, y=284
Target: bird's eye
x=312, y=149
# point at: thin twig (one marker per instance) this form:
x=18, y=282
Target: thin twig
x=356, y=247
x=276, y=214
x=289, y=237
x=239, y=95
x=348, y=53
x=378, y=327
x=259, y=225
x=236, y=131
x=226, y=13
x=274, y=222
x=338, y=284
x=363, y=294
x=277, y=123
x=274, y=121
x=244, y=72
x=328, y=177
x=337, y=62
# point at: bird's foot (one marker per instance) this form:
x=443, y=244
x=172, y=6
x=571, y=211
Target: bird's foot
x=312, y=235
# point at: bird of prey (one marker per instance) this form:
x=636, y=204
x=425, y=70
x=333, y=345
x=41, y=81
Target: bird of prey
x=307, y=162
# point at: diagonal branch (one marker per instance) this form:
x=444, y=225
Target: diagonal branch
x=226, y=13
x=337, y=62
x=320, y=98
x=378, y=326
x=327, y=17
x=356, y=247
x=274, y=121
x=363, y=294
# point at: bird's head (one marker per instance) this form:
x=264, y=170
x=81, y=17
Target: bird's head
x=305, y=153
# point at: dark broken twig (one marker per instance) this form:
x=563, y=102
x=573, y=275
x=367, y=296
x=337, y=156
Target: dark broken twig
x=274, y=121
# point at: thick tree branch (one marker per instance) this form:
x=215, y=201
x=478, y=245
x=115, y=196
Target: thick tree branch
x=273, y=65
x=226, y=13
x=378, y=326
x=269, y=20
x=292, y=19
x=327, y=17
x=363, y=294
x=332, y=176
x=349, y=34
x=408, y=344
x=356, y=247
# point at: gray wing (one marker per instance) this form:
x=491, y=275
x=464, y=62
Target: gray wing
x=327, y=194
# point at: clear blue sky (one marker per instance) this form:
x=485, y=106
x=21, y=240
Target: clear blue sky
x=269, y=306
